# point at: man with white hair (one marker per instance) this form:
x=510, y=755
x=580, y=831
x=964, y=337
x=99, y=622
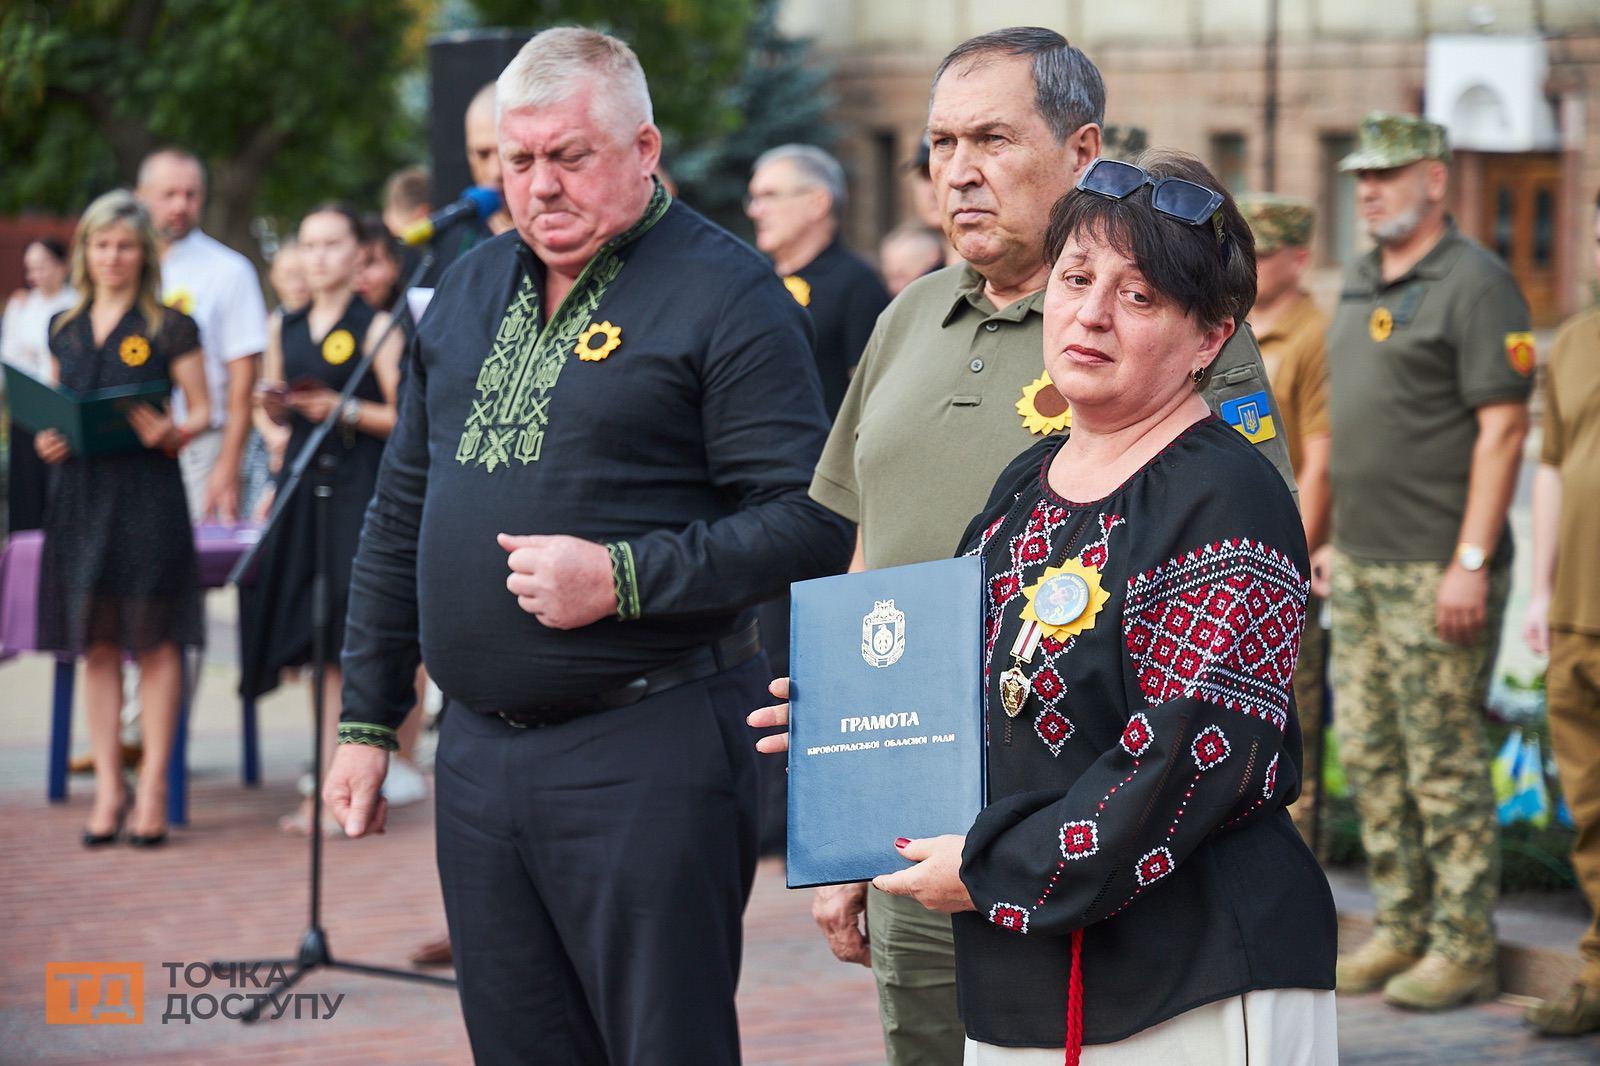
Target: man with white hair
x=601, y=461
x=795, y=200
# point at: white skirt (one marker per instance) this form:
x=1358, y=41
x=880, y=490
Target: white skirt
x=1280, y=1026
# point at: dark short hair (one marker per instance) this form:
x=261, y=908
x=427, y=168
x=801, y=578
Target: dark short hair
x=1183, y=263
x=344, y=211
x=374, y=234
x=56, y=248
x=1067, y=88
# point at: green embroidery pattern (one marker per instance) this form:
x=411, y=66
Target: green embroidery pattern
x=512, y=409
x=625, y=580
x=375, y=736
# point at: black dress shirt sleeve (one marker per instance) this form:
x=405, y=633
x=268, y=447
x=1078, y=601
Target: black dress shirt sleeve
x=381, y=652
x=764, y=429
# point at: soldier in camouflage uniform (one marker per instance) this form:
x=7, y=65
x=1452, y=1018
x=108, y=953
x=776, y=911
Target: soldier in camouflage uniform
x=1292, y=333
x=1429, y=362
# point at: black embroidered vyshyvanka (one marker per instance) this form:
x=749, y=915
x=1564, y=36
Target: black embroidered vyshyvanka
x=1137, y=799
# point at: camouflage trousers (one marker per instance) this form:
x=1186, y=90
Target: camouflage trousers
x=1408, y=711
x=1308, y=699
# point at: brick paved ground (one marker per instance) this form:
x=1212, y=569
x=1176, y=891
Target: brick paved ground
x=231, y=886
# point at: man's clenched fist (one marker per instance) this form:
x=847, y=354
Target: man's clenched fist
x=564, y=582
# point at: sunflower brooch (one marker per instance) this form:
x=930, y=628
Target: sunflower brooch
x=338, y=346
x=134, y=351
x=1043, y=409
x=598, y=341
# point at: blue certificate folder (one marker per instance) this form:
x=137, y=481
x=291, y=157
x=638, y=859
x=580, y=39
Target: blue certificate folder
x=885, y=715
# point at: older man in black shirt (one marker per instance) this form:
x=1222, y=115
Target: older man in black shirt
x=601, y=459
x=795, y=200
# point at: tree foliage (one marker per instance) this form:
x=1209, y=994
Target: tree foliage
x=779, y=97
x=289, y=102
x=690, y=49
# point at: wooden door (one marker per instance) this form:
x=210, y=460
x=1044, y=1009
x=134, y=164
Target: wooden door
x=1519, y=218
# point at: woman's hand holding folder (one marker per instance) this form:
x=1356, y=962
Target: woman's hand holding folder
x=767, y=717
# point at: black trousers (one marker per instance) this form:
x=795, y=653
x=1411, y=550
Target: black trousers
x=595, y=876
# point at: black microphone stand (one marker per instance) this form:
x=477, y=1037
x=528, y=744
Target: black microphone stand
x=314, y=953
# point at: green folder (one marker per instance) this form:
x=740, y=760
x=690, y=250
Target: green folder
x=93, y=422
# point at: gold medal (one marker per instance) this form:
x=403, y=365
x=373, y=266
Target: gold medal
x=1014, y=684
x=1381, y=324
x=1066, y=599
x=608, y=336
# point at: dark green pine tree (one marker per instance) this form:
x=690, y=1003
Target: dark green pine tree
x=779, y=97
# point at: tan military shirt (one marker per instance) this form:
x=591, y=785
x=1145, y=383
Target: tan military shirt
x=1572, y=445
x=1409, y=363
x=1294, y=351
x=948, y=391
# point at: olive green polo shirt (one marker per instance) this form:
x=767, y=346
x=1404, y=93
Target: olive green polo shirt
x=942, y=400
x=1409, y=363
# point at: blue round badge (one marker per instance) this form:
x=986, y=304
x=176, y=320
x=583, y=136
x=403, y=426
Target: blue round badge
x=1061, y=600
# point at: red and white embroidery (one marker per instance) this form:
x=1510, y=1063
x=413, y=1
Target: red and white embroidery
x=1028, y=552
x=1137, y=736
x=1272, y=779
x=1009, y=916
x=1209, y=748
x=1221, y=623
x=1153, y=865
x=1079, y=840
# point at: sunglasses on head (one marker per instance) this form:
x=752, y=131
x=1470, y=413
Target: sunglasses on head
x=1177, y=198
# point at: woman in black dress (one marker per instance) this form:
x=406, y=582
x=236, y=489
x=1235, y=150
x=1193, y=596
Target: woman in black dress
x=119, y=574
x=1135, y=891
x=309, y=358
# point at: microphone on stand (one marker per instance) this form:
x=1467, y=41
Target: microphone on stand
x=478, y=200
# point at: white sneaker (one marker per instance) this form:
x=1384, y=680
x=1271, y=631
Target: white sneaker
x=404, y=785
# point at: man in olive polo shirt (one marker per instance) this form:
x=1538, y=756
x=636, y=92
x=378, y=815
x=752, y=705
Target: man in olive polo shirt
x=1429, y=362
x=950, y=388
x=1292, y=333
x=1564, y=621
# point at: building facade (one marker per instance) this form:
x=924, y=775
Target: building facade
x=1517, y=83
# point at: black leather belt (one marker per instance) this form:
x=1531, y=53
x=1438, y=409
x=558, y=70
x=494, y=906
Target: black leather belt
x=706, y=661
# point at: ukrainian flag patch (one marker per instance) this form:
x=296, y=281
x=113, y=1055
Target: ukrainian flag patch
x=1250, y=415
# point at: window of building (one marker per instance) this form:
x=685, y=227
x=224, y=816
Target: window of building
x=1228, y=161
x=1337, y=231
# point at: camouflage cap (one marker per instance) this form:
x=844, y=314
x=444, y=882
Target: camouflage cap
x=1389, y=140
x=1278, y=221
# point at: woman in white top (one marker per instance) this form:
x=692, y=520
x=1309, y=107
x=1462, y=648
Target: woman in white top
x=25, y=344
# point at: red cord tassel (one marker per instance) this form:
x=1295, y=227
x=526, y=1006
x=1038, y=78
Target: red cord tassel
x=1075, y=1001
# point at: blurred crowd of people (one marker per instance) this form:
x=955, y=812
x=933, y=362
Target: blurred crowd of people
x=1401, y=418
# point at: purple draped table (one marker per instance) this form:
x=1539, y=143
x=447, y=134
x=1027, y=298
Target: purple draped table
x=219, y=547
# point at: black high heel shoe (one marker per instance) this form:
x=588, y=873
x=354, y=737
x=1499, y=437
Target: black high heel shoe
x=100, y=840
x=152, y=840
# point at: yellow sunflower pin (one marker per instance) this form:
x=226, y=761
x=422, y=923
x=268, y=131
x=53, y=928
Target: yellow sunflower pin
x=799, y=288
x=338, y=346
x=1381, y=324
x=180, y=299
x=1043, y=408
x=134, y=351
x=609, y=336
x=1066, y=599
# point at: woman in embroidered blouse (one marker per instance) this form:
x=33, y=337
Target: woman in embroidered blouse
x=1135, y=883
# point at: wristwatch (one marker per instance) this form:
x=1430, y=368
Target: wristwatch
x=350, y=412
x=1471, y=557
